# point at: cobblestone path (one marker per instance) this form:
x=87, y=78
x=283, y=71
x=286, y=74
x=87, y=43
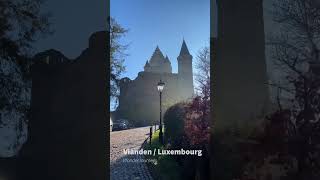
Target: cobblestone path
x=128, y=167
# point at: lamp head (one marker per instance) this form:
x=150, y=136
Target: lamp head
x=160, y=86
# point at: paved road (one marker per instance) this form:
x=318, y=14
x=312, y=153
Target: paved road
x=131, y=167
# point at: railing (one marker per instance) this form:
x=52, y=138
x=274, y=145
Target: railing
x=153, y=129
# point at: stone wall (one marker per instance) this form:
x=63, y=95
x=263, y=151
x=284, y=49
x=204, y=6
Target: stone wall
x=139, y=101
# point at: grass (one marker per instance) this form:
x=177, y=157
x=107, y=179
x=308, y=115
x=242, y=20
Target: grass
x=165, y=168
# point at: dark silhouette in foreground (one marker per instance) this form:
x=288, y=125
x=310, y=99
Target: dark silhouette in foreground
x=68, y=128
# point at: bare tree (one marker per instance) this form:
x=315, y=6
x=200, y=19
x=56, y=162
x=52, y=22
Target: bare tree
x=117, y=52
x=296, y=50
x=21, y=24
x=202, y=76
x=198, y=110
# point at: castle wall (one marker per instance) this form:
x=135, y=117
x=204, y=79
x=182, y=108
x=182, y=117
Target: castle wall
x=165, y=68
x=139, y=100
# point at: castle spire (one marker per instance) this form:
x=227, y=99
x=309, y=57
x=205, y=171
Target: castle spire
x=157, y=56
x=184, y=49
x=167, y=59
x=158, y=52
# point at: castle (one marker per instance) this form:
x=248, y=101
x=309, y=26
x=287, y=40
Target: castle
x=139, y=98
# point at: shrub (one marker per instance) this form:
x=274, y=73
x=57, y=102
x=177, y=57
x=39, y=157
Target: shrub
x=174, y=124
x=197, y=121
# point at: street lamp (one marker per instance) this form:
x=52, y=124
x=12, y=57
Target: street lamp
x=160, y=87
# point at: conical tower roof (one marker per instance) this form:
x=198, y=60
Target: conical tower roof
x=147, y=64
x=157, y=53
x=184, y=49
x=157, y=56
x=167, y=59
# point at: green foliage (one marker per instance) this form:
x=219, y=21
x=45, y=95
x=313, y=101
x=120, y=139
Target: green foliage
x=174, y=124
x=166, y=166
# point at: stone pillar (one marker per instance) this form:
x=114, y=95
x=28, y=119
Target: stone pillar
x=241, y=95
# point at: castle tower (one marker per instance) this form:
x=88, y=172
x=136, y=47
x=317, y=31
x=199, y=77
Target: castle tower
x=185, y=73
x=167, y=64
x=147, y=67
x=158, y=63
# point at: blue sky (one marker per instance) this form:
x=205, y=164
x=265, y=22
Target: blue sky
x=150, y=23
x=73, y=21
x=164, y=23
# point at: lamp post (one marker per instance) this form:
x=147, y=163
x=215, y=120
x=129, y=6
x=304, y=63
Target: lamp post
x=160, y=87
